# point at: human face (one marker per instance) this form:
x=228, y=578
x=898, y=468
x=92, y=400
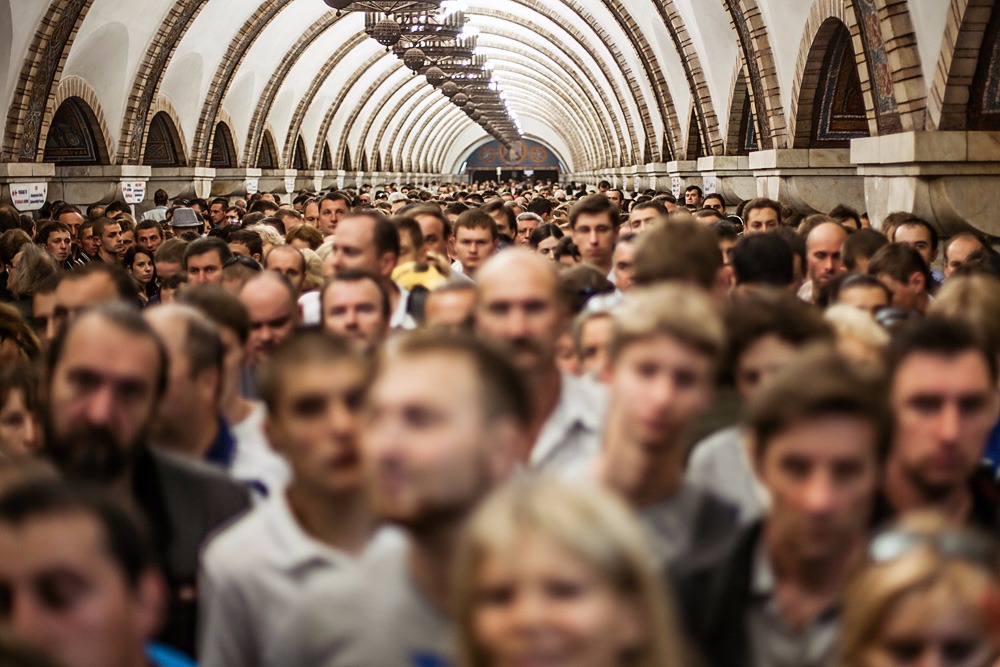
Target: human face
x=111, y=239
x=19, y=433
x=354, y=246
x=595, y=336
x=68, y=598
x=539, y=604
x=104, y=384
x=525, y=228
x=288, y=263
x=450, y=310
x=273, y=318
x=73, y=220
x=354, y=309
x=546, y=247
x=595, y=236
x=760, y=220
x=959, y=251
x=658, y=387
x=823, y=253
x=522, y=310
x=821, y=474
x=408, y=252
x=473, y=246
x=616, y=197
x=640, y=219
x=868, y=299
x=714, y=203
x=128, y=240
x=503, y=223
x=59, y=245
x=931, y=627
x=315, y=425
x=43, y=307
x=90, y=242
x=72, y=296
x=945, y=406
x=149, y=239
x=232, y=217
x=621, y=264
x=427, y=448
x=142, y=268
x=692, y=198
x=205, y=268
x=330, y=213
x=433, y=231
x=760, y=360
x=917, y=237
x=217, y=213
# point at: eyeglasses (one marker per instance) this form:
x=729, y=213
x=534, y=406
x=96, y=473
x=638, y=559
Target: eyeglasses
x=894, y=544
x=243, y=260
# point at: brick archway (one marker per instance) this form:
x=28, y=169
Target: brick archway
x=965, y=28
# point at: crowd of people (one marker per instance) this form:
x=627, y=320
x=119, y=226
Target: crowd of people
x=503, y=424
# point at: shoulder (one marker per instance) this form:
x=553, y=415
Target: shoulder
x=240, y=546
x=192, y=478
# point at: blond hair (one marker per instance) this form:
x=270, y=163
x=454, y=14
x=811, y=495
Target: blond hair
x=876, y=590
x=593, y=526
x=972, y=299
x=680, y=311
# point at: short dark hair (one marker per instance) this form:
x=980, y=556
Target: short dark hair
x=762, y=202
x=695, y=188
x=851, y=280
x=127, y=540
x=594, y=205
x=249, y=238
x=46, y=230
x=476, y=218
x=306, y=347
x=149, y=224
x=124, y=286
x=652, y=204
x=355, y=276
x=204, y=246
x=411, y=227
x=504, y=393
x=219, y=305
x=540, y=206
x=764, y=259
x=160, y=197
x=941, y=336
x=899, y=261
x=336, y=195
x=103, y=223
x=842, y=212
x=716, y=195
x=914, y=221
x=862, y=243
x=544, y=231
x=678, y=251
x=834, y=387
x=171, y=250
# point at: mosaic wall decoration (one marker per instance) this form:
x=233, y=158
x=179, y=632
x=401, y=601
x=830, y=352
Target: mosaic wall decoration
x=161, y=149
x=327, y=163
x=71, y=139
x=299, y=160
x=524, y=154
x=839, y=112
x=266, y=157
x=748, y=129
x=223, y=150
x=984, y=98
x=886, y=107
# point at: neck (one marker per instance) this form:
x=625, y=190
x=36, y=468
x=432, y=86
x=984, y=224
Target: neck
x=235, y=408
x=904, y=495
x=546, y=386
x=110, y=258
x=640, y=473
x=824, y=575
x=342, y=522
x=430, y=560
x=193, y=437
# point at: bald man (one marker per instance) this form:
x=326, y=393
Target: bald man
x=518, y=305
x=824, y=258
x=272, y=302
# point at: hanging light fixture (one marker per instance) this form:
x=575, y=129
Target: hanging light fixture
x=384, y=6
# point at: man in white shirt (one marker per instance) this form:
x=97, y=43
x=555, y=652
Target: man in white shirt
x=445, y=416
x=253, y=574
x=519, y=305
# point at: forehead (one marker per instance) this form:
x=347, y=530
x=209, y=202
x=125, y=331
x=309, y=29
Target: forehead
x=473, y=233
x=865, y=292
x=664, y=345
x=909, y=232
x=87, y=291
x=99, y=346
x=643, y=214
x=821, y=439
x=624, y=250
x=206, y=258
x=284, y=257
x=265, y=300
x=150, y=231
x=352, y=291
x=67, y=541
x=332, y=204
x=359, y=230
x=329, y=376
x=522, y=280
x=432, y=378
x=934, y=373
x=764, y=213
x=592, y=219
x=429, y=223
x=829, y=235
x=115, y=227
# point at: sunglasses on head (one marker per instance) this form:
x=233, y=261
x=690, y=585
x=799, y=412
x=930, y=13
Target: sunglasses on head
x=892, y=545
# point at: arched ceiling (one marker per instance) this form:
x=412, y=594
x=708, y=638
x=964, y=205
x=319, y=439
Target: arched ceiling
x=605, y=83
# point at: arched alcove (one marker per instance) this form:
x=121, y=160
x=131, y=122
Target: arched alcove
x=300, y=160
x=326, y=164
x=267, y=156
x=984, y=95
x=695, y=146
x=223, y=148
x=831, y=109
x=742, y=136
x=75, y=138
x=163, y=145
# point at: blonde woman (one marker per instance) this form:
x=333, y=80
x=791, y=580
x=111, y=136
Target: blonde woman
x=560, y=575
x=929, y=595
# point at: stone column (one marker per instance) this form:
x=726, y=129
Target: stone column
x=687, y=172
x=950, y=179
x=278, y=181
x=311, y=180
x=658, y=176
x=729, y=176
x=810, y=180
x=185, y=182
x=236, y=182
x=83, y=186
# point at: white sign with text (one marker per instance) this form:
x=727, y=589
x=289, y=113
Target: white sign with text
x=28, y=196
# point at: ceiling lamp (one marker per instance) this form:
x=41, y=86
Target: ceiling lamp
x=460, y=100
x=435, y=76
x=451, y=89
x=384, y=6
x=415, y=59
x=383, y=29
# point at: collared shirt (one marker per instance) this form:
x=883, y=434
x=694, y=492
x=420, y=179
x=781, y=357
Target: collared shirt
x=570, y=440
x=252, y=578
x=311, y=307
x=158, y=214
x=720, y=464
x=255, y=463
x=401, y=317
x=806, y=292
x=773, y=643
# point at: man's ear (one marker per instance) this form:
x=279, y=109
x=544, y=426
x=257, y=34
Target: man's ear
x=917, y=282
x=387, y=263
x=150, y=602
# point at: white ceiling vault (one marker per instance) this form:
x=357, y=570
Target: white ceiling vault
x=604, y=83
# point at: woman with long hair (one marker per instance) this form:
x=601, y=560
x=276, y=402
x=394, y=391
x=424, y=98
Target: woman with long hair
x=139, y=263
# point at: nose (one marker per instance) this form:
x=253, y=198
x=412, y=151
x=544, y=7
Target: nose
x=100, y=407
x=663, y=392
x=351, y=319
x=949, y=423
x=26, y=619
x=592, y=237
x=529, y=610
x=343, y=421
x=819, y=493
x=516, y=324
x=31, y=433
